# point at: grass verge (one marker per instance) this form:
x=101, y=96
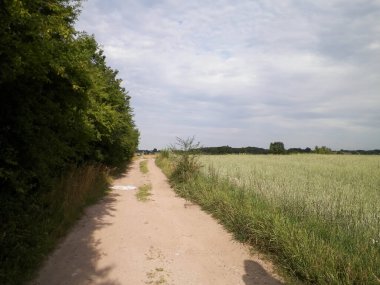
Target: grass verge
x=32, y=225
x=144, y=192
x=310, y=249
x=144, y=167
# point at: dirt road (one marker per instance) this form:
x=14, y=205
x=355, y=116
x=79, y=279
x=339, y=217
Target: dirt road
x=166, y=240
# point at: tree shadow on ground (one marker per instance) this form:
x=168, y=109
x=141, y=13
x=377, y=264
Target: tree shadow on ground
x=123, y=172
x=255, y=274
x=75, y=260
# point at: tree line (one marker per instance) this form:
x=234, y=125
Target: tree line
x=279, y=148
x=61, y=107
x=60, y=103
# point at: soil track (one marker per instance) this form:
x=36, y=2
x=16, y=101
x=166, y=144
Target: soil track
x=167, y=240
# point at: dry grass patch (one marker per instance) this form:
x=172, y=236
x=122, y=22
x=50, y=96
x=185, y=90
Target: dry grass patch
x=144, y=167
x=144, y=192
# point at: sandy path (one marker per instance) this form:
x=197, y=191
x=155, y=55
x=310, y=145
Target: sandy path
x=163, y=241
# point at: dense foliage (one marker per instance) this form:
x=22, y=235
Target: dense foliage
x=60, y=103
x=61, y=107
x=277, y=148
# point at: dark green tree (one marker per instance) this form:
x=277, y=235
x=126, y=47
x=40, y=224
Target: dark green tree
x=114, y=135
x=42, y=125
x=60, y=103
x=277, y=148
x=322, y=150
x=61, y=106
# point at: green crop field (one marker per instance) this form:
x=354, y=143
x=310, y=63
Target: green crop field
x=317, y=216
x=330, y=203
x=343, y=189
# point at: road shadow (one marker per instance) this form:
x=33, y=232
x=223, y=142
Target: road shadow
x=75, y=260
x=255, y=274
x=118, y=174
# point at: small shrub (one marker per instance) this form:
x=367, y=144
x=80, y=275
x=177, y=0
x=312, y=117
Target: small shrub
x=186, y=163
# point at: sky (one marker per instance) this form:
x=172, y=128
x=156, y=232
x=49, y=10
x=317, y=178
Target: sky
x=246, y=72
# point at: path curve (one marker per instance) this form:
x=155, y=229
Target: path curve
x=167, y=240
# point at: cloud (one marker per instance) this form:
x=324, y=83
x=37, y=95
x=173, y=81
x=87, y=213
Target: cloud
x=246, y=72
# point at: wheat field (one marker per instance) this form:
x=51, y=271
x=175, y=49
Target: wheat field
x=320, y=212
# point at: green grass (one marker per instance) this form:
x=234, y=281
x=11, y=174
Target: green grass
x=316, y=215
x=144, y=192
x=144, y=166
x=32, y=225
x=329, y=186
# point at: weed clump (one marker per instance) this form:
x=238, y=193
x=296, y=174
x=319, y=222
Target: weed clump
x=143, y=193
x=186, y=162
x=144, y=167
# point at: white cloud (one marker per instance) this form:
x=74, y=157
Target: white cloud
x=245, y=72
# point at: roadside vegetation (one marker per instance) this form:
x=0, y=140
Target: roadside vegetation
x=317, y=216
x=144, y=193
x=144, y=166
x=65, y=124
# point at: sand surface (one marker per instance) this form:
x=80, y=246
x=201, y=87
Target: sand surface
x=165, y=240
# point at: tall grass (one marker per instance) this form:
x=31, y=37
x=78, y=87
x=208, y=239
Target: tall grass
x=32, y=225
x=318, y=216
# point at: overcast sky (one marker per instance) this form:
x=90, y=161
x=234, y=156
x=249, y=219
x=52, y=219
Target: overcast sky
x=246, y=72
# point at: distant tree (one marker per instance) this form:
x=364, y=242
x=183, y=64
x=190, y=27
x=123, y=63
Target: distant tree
x=277, y=148
x=228, y=150
x=295, y=150
x=322, y=150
